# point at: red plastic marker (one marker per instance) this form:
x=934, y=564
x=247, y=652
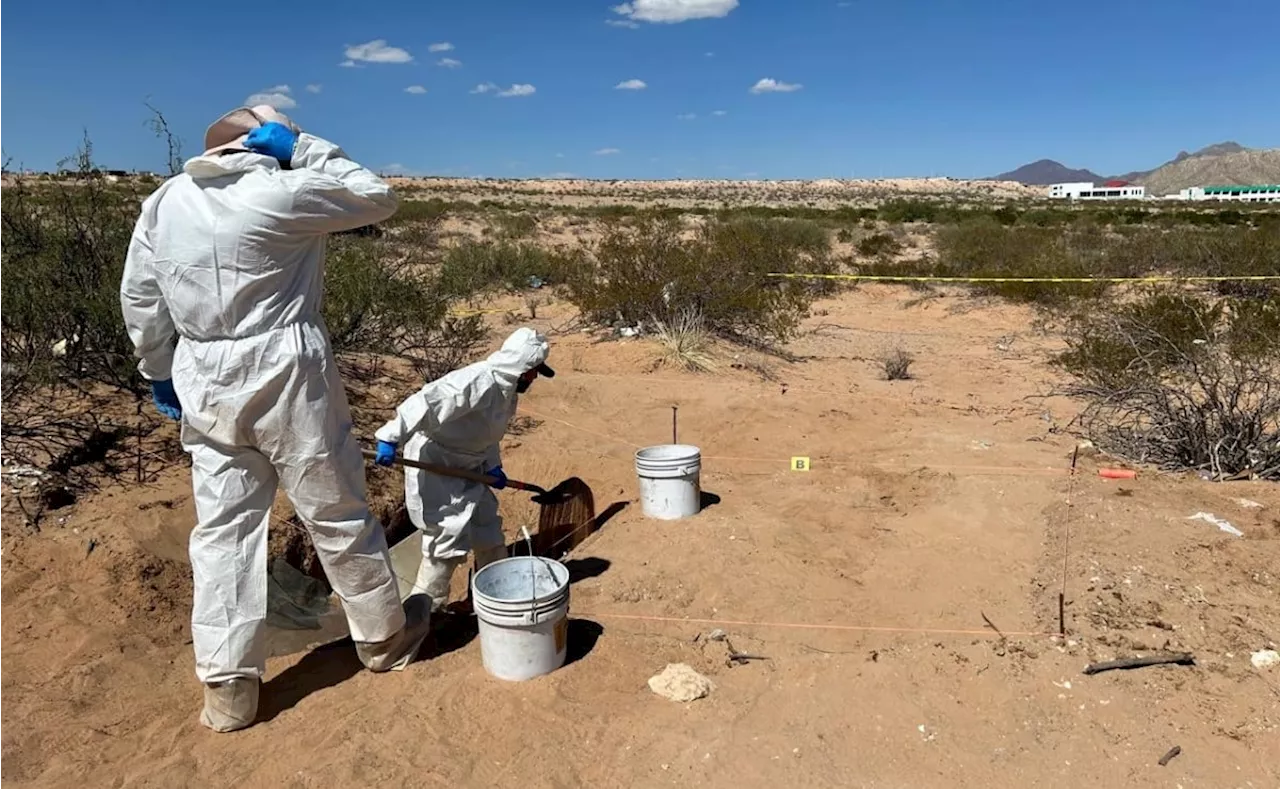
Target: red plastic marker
x=1117, y=473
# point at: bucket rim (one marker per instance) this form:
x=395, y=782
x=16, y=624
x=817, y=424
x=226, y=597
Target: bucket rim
x=559, y=573
x=689, y=452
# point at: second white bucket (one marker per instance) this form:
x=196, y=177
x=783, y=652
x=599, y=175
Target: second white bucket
x=670, y=481
x=522, y=605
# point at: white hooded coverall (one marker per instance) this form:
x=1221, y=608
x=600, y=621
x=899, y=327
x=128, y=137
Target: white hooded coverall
x=459, y=421
x=229, y=258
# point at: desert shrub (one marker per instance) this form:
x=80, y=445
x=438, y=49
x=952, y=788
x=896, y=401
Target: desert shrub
x=383, y=295
x=475, y=267
x=985, y=248
x=1045, y=217
x=415, y=211
x=685, y=342
x=897, y=211
x=804, y=235
x=844, y=235
x=1181, y=381
x=63, y=257
x=648, y=271
x=514, y=226
x=897, y=365
x=879, y=245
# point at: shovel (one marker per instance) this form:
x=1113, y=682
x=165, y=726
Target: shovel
x=457, y=473
x=567, y=514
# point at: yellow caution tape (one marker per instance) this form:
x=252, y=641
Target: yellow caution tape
x=896, y=278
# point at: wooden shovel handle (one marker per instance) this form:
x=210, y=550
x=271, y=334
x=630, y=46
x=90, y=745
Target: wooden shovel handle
x=457, y=473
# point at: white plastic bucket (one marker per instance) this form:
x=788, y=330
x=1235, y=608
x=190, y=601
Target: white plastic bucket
x=522, y=604
x=670, y=486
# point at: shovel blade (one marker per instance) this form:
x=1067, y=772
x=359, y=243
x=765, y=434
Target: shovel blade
x=567, y=517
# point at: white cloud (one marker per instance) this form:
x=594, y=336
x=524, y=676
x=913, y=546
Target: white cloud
x=560, y=175
x=631, y=84
x=449, y=63
x=708, y=54
x=686, y=116
x=518, y=90
x=607, y=152
x=443, y=46
x=416, y=90
x=672, y=11
x=376, y=51
x=276, y=96
x=770, y=85
x=314, y=88
x=720, y=113
x=627, y=23
x=349, y=64
x=751, y=174
x=559, y=156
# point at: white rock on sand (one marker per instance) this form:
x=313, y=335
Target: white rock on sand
x=679, y=682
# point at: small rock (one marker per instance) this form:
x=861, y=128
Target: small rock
x=1086, y=449
x=679, y=682
x=1267, y=658
x=1249, y=504
x=717, y=635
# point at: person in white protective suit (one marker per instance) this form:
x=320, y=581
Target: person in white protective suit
x=228, y=258
x=458, y=421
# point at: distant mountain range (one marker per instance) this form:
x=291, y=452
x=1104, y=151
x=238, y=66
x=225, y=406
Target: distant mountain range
x=1221, y=163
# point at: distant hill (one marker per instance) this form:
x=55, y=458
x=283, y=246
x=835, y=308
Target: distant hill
x=1217, y=149
x=1236, y=167
x=1045, y=172
x=1218, y=164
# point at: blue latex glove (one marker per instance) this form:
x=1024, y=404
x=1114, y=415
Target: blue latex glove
x=499, y=477
x=166, y=399
x=273, y=139
x=386, y=453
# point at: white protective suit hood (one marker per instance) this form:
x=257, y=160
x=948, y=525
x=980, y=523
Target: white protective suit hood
x=219, y=165
x=523, y=351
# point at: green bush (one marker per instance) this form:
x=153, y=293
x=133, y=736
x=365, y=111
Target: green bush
x=879, y=245
x=514, y=226
x=477, y=267
x=63, y=258
x=375, y=307
x=898, y=211
x=414, y=211
x=649, y=272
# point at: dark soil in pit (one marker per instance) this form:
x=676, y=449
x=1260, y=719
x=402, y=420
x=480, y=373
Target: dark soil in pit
x=290, y=541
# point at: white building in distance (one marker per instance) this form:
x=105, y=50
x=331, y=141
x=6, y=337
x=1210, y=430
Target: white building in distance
x=1085, y=190
x=1262, y=193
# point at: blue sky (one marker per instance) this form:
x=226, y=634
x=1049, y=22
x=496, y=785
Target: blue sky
x=861, y=88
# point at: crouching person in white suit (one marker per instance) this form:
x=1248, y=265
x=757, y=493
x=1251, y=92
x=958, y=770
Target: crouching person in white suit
x=459, y=421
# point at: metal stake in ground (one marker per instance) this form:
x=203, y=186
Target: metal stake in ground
x=674, y=435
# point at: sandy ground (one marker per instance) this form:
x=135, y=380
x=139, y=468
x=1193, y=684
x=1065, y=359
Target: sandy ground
x=937, y=511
